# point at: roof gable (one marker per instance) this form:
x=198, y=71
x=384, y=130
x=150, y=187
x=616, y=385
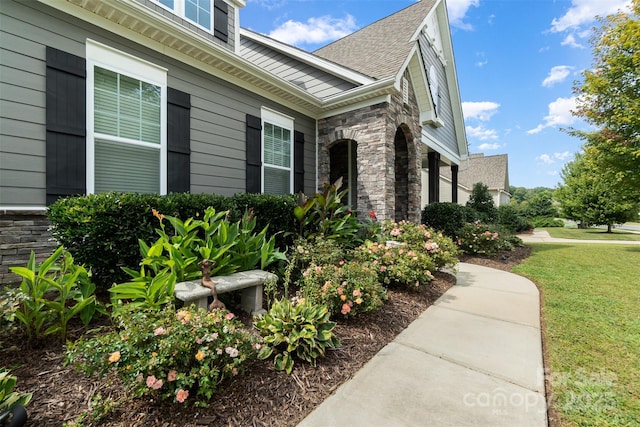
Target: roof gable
x=492, y=171
x=381, y=49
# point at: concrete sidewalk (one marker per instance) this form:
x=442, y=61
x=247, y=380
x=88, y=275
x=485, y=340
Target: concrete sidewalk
x=474, y=358
x=542, y=236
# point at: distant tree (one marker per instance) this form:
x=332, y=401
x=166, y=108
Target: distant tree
x=482, y=202
x=585, y=197
x=541, y=205
x=609, y=99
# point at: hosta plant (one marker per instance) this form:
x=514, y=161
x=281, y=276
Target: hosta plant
x=175, y=355
x=298, y=329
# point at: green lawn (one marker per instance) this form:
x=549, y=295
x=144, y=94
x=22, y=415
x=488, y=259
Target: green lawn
x=590, y=234
x=591, y=309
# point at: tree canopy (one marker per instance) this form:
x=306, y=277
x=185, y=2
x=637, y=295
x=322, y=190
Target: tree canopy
x=609, y=99
x=586, y=198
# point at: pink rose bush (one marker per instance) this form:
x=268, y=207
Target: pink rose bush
x=181, y=355
x=347, y=289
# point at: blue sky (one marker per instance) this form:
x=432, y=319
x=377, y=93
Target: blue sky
x=517, y=61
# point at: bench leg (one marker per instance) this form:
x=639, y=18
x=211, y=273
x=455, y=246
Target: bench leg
x=252, y=300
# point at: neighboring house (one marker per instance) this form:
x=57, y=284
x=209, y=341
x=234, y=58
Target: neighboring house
x=173, y=95
x=492, y=171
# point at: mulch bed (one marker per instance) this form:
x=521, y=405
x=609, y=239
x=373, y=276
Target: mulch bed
x=259, y=397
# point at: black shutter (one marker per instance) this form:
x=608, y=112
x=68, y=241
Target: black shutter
x=298, y=162
x=65, y=125
x=254, y=154
x=178, y=141
x=221, y=20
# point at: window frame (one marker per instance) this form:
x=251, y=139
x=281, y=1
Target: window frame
x=108, y=58
x=179, y=9
x=286, y=122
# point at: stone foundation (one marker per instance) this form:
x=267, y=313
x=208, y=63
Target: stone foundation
x=20, y=233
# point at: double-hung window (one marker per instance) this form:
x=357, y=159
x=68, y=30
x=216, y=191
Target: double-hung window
x=277, y=153
x=126, y=122
x=199, y=12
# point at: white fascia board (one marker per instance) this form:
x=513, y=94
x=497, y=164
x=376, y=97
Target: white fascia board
x=381, y=87
x=443, y=150
x=415, y=65
x=237, y=3
x=355, y=106
x=452, y=80
x=309, y=58
x=148, y=16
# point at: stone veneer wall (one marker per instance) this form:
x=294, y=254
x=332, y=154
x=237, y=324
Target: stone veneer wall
x=20, y=233
x=374, y=129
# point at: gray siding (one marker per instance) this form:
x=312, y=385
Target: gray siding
x=446, y=134
x=217, y=114
x=316, y=82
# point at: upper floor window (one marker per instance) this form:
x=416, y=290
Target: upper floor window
x=199, y=12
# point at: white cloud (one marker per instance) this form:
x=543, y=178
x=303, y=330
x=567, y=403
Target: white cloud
x=570, y=41
x=545, y=158
x=322, y=29
x=559, y=115
x=562, y=156
x=557, y=75
x=487, y=146
x=457, y=10
x=550, y=159
x=583, y=12
x=482, y=110
x=481, y=133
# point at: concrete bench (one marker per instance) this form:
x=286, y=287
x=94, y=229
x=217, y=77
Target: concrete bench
x=250, y=282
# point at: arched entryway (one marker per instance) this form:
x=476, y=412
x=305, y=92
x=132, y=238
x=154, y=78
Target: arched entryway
x=401, y=164
x=343, y=163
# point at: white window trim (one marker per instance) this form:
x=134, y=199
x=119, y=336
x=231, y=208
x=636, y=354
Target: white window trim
x=275, y=118
x=103, y=56
x=179, y=10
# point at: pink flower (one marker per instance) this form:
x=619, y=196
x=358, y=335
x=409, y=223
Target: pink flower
x=357, y=293
x=396, y=232
x=229, y=316
x=198, y=340
x=340, y=291
x=181, y=395
x=318, y=269
x=172, y=375
x=341, y=262
x=159, y=331
x=383, y=268
x=345, y=309
x=153, y=382
x=231, y=351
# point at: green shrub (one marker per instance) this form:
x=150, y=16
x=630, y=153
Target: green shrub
x=301, y=329
x=448, y=218
x=177, y=355
x=482, y=202
x=511, y=218
x=547, y=222
x=482, y=239
x=102, y=230
x=441, y=249
x=346, y=288
x=53, y=293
